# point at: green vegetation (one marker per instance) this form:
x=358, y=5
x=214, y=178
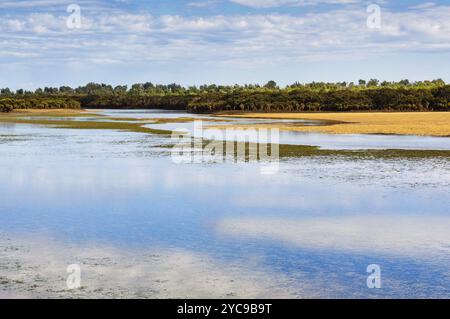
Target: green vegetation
x=287, y=151
x=84, y=125
x=297, y=151
x=433, y=96
x=330, y=97
x=10, y=103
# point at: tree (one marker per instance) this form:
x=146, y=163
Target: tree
x=315, y=96
x=137, y=89
x=66, y=90
x=271, y=85
x=120, y=89
x=404, y=82
x=148, y=85
x=373, y=83
x=6, y=91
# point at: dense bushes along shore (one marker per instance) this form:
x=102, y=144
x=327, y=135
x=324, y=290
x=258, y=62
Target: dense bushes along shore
x=332, y=97
x=12, y=103
x=301, y=100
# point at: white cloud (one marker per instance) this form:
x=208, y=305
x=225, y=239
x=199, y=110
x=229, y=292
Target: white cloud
x=202, y=4
x=32, y=4
x=424, y=5
x=279, y=3
x=253, y=38
x=413, y=236
x=114, y=273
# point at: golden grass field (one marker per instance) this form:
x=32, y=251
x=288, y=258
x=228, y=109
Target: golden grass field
x=413, y=123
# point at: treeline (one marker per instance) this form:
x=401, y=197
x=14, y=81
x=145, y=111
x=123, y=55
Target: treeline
x=371, y=95
x=168, y=102
x=304, y=100
x=10, y=104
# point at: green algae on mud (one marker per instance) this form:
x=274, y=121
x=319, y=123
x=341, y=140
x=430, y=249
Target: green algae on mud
x=86, y=125
x=101, y=122
x=50, y=113
x=306, y=150
x=286, y=151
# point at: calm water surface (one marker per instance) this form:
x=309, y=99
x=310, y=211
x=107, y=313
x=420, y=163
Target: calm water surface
x=310, y=230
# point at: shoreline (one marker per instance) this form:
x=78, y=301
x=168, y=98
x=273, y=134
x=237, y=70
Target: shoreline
x=433, y=124
x=436, y=124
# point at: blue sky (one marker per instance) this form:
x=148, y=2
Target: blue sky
x=194, y=42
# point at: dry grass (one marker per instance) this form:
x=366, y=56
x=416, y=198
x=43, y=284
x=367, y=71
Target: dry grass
x=414, y=123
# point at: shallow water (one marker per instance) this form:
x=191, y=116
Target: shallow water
x=325, y=141
x=116, y=204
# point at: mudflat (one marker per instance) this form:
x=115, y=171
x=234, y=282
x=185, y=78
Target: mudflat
x=404, y=123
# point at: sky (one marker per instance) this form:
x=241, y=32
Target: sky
x=194, y=42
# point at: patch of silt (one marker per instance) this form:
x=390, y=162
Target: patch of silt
x=37, y=268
